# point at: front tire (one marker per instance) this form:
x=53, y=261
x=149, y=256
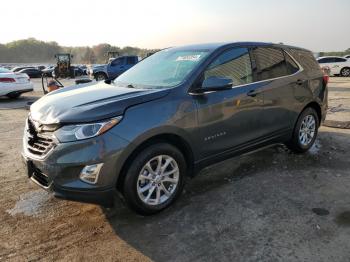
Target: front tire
x=345, y=72
x=100, y=77
x=305, y=131
x=154, y=179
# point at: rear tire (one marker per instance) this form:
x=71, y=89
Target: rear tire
x=154, y=179
x=345, y=72
x=305, y=131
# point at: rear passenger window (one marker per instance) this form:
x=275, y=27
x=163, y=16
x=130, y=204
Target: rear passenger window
x=339, y=60
x=306, y=60
x=292, y=67
x=235, y=64
x=130, y=60
x=118, y=61
x=270, y=63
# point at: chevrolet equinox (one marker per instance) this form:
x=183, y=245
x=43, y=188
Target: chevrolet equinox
x=168, y=117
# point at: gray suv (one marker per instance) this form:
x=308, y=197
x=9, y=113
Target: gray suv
x=168, y=117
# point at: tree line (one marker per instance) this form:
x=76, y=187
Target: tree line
x=35, y=51
x=32, y=50
x=336, y=53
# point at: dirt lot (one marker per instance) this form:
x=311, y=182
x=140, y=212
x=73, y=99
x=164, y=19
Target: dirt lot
x=271, y=205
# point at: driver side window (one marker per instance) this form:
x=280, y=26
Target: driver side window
x=234, y=64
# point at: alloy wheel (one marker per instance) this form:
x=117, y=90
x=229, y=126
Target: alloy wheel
x=307, y=130
x=100, y=77
x=158, y=180
x=345, y=72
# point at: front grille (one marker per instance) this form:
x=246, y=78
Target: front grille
x=38, y=144
x=39, y=176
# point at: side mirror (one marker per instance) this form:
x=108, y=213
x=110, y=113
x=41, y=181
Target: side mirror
x=215, y=83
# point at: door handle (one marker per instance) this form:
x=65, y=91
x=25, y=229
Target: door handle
x=300, y=82
x=252, y=93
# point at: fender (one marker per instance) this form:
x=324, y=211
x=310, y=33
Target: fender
x=162, y=131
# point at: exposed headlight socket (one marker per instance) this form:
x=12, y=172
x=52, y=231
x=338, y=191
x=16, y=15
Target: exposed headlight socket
x=90, y=173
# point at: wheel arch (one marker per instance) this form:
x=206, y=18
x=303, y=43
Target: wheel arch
x=170, y=138
x=317, y=108
x=100, y=72
x=345, y=67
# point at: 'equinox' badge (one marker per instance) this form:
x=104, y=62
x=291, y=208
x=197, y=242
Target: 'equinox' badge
x=215, y=136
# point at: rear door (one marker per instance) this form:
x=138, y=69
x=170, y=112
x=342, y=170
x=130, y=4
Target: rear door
x=279, y=75
x=130, y=62
x=229, y=118
x=339, y=64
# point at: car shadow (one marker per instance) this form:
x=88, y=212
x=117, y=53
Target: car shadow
x=230, y=209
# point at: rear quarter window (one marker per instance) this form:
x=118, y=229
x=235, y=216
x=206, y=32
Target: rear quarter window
x=306, y=60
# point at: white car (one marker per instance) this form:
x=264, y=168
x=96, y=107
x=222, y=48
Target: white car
x=337, y=65
x=13, y=84
x=347, y=56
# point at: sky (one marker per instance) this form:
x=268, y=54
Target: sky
x=319, y=25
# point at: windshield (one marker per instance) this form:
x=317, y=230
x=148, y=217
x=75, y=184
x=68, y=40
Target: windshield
x=4, y=70
x=166, y=68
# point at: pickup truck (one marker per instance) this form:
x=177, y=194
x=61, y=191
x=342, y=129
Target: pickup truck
x=114, y=68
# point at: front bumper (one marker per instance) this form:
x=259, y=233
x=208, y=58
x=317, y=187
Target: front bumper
x=59, y=170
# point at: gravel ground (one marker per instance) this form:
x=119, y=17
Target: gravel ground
x=270, y=205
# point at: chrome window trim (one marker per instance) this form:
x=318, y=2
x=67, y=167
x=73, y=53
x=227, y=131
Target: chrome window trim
x=301, y=69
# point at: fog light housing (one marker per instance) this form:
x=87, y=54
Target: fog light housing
x=90, y=173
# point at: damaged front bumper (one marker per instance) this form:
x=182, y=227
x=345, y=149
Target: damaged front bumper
x=59, y=170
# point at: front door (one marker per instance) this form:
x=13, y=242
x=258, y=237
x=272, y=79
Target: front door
x=116, y=67
x=229, y=118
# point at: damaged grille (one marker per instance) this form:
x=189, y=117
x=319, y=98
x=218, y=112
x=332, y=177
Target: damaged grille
x=38, y=176
x=38, y=143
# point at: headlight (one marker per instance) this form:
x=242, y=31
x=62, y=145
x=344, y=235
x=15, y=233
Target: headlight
x=84, y=131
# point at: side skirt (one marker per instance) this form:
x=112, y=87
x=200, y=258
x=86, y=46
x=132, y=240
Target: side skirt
x=250, y=147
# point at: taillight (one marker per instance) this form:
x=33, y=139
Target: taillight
x=326, y=72
x=7, y=80
x=325, y=79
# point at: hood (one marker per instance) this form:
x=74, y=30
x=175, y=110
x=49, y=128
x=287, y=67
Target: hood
x=89, y=102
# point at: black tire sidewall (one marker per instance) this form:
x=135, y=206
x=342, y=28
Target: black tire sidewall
x=130, y=182
x=100, y=74
x=341, y=72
